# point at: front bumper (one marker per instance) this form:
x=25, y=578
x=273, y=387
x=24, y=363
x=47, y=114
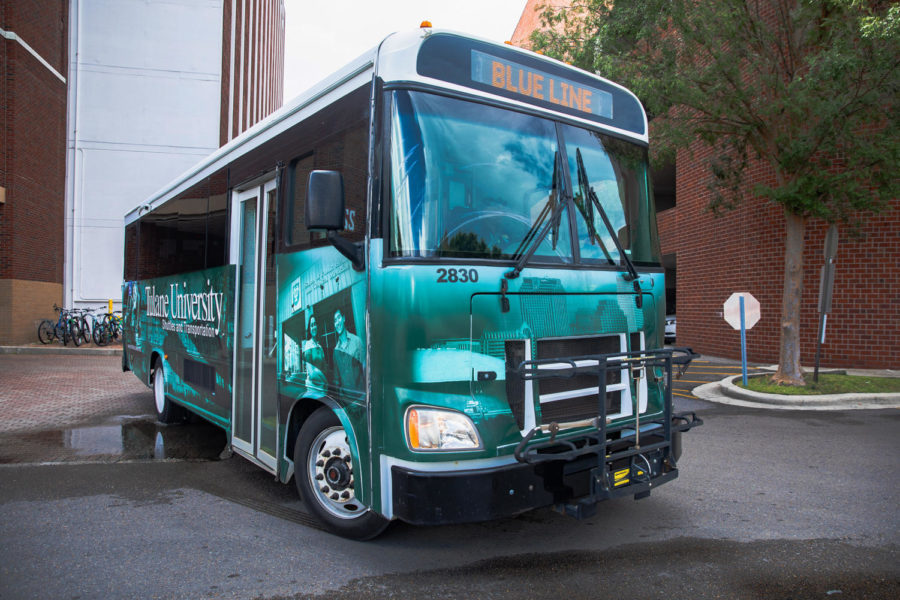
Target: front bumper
x=573, y=486
x=572, y=472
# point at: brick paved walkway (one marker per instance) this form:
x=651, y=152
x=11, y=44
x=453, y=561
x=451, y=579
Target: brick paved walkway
x=44, y=392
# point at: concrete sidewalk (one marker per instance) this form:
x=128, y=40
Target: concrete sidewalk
x=114, y=349
x=726, y=392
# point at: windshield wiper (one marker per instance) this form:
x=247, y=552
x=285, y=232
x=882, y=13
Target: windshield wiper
x=534, y=237
x=591, y=196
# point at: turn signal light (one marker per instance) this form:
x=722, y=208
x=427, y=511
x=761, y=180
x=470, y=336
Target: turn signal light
x=425, y=24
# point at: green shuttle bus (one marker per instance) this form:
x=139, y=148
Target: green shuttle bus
x=427, y=289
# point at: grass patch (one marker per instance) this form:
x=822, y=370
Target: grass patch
x=829, y=383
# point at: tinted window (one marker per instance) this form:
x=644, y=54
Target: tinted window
x=187, y=233
x=338, y=141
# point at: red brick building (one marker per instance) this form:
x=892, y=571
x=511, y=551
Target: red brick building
x=708, y=258
x=33, y=64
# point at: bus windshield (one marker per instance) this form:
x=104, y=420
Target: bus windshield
x=475, y=181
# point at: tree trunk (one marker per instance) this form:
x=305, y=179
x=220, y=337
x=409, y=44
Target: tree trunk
x=789, y=372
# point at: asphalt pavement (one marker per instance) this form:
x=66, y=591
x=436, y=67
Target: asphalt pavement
x=97, y=500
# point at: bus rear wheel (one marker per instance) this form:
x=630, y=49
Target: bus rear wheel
x=166, y=410
x=325, y=476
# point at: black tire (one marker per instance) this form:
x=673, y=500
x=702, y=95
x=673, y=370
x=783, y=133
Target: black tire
x=85, y=329
x=75, y=333
x=167, y=412
x=324, y=479
x=46, y=331
x=100, y=334
x=59, y=332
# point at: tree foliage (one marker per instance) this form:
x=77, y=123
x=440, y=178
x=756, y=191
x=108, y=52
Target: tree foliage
x=808, y=88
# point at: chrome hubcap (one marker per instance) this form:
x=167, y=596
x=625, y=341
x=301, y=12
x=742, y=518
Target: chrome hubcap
x=331, y=474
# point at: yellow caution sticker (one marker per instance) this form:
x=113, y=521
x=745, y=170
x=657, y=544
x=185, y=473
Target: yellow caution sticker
x=622, y=476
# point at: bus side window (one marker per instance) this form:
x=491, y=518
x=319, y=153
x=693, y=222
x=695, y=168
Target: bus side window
x=348, y=153
x=343, y=148
x=297, y=234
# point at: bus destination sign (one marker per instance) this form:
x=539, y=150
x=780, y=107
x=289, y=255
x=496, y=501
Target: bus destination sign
x=538, y=85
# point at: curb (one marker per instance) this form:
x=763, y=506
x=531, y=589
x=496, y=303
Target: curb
x=57, y=349
x=725, y=392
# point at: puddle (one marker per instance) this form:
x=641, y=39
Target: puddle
x=141, y=438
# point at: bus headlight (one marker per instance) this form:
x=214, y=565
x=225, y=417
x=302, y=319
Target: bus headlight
x=439, y=429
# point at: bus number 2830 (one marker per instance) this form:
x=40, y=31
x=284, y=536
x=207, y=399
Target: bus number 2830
x=457, y=275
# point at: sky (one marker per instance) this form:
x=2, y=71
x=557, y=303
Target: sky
x=322, y=36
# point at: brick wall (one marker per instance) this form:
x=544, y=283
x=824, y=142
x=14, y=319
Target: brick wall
x=531, y=20
x=33, y=141
x=743, y=251
x=22, y=308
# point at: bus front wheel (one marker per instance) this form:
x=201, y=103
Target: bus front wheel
x=325, y=476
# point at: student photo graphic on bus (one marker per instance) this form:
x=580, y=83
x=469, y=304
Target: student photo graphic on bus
x=348, y=356
x=314, y=356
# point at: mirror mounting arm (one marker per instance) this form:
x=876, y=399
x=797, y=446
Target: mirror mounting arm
x=352, y=250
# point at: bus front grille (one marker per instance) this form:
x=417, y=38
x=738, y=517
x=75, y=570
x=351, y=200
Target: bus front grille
x=563, y=398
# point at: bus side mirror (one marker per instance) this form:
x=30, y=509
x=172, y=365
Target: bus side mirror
x=325, y=210
x=325, y=201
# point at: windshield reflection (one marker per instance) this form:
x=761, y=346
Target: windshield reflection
x=617, y=172
x=474, y=181
x=469, y=180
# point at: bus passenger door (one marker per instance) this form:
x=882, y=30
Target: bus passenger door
x=254, y=429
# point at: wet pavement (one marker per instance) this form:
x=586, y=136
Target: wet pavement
x=65, y=408
x=120, y=439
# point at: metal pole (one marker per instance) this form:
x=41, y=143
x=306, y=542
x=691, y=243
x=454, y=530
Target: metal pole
x=820, y=339
x=743, y=343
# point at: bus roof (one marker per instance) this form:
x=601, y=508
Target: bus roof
x=449, y=60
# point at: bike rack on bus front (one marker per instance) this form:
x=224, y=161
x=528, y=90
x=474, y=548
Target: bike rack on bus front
x=623, y=466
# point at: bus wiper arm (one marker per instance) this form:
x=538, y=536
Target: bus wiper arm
x=588, y=190
x=531, y=242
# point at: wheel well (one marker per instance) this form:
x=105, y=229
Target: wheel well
x=301, y=411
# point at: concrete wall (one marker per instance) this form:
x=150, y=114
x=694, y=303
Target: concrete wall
x=144, y=105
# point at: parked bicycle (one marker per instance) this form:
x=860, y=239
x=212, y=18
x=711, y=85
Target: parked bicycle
x=66, y=328
x=89, y=323
x=108, y=328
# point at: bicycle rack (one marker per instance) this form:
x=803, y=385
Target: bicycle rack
x=623, y=466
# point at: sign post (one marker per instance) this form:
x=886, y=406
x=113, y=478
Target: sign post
x=741, y=311
x=826, y=286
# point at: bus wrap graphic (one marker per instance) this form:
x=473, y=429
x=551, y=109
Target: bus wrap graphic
x=322, y=321
x=188, y=321
x=182, y=309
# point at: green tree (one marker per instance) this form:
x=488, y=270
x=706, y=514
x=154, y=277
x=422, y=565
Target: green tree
x=809, y=88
